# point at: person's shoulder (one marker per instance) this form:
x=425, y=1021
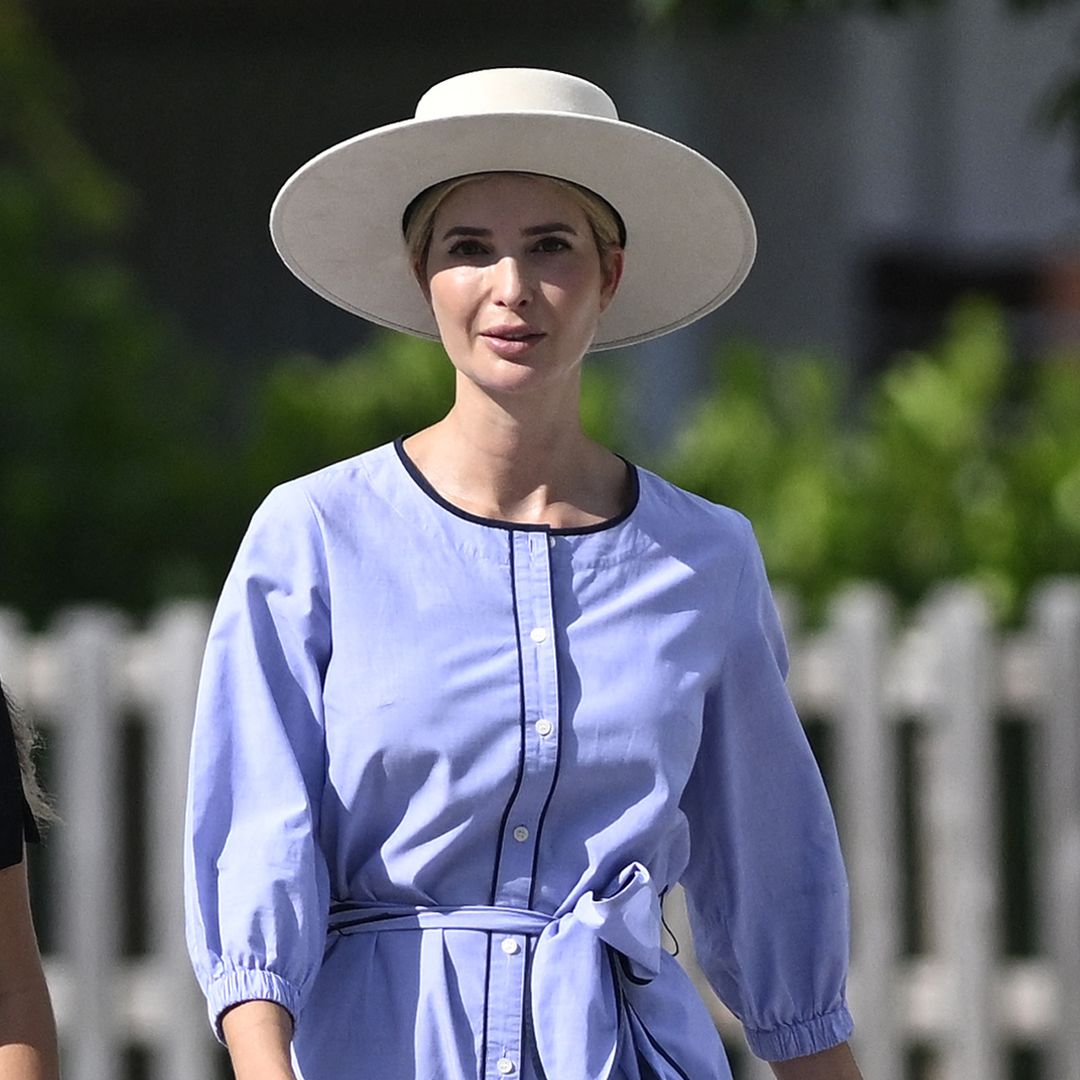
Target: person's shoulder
x=306, y=513
x=325, y=490
x=685, y=514
x=716, y=541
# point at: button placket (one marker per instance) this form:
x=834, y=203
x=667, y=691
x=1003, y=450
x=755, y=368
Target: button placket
x=517, y=858
x=536, y=642
x=507, y=998
x=543, y=706
x=505, y=1010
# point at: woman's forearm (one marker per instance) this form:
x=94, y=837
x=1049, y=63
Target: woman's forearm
x=835, y=1064
x=258, y=1034
x=27, y=1027
x=28, y=1035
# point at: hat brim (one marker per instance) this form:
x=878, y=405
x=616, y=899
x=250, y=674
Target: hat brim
x=690, y=237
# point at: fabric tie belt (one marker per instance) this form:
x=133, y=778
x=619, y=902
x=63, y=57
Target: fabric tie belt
x=577, y=1033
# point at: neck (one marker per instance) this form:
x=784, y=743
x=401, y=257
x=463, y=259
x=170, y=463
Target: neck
x=520, y=460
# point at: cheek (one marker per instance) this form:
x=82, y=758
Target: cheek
x=450, y=293
x=578, y=293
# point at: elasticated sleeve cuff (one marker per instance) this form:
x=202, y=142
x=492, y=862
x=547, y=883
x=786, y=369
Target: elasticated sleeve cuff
x=797, y=1040
x=248, y=984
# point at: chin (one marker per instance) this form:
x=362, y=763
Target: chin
x=524, y=382
x=499, y=375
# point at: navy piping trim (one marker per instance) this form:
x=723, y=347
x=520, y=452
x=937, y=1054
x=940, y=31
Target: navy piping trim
x=525, y=1038
x=519, y=526
x=558, y=763
x=623, y=1028
x=521, y=751
x=534, y=1050
x=484, y=1033
x=628, y=973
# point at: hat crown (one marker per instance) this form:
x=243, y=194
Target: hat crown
x=503, y=90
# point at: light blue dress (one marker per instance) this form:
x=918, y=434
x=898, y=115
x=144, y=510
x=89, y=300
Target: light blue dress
x=444, y=770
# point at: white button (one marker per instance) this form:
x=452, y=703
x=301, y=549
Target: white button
x=551, y=541
x=543, y=727
x=539, y=634
x=505, y=1066
x=510, y=946
x=521, y=834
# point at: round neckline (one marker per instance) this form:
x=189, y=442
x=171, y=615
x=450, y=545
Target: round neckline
x=426, y=487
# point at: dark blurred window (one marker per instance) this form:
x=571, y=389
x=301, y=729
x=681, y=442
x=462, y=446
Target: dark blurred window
x=910, y=292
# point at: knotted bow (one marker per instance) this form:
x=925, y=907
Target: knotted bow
x=577, y=1032
x=573, y=1040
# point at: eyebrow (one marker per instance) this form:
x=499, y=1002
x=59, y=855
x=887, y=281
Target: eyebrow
x=532, y=230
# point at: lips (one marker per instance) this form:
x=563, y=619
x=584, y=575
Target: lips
x=511, y=341
x=512, y=333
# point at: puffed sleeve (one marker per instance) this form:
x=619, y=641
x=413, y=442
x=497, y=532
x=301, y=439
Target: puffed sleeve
x=766, y=888
x=256, y=886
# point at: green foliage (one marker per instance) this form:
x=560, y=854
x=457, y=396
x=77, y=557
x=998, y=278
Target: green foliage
x=101, y=411
x=129, y=465
x=955, y=465
x=58, y=186
x=309, y=413
x=129, y=462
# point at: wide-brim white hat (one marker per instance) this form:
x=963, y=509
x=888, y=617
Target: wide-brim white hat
x=690, y=239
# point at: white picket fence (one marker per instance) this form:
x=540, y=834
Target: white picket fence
x=946, y=676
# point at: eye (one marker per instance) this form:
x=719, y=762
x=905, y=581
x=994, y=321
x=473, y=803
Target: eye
x=467, y=248
x=551, y=244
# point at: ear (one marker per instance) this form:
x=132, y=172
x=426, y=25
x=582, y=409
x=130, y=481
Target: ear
x=420, y=273
x=611, y=266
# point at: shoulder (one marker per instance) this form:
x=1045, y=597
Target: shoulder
x=296, y=530
x=689, y=523
x=308, y=501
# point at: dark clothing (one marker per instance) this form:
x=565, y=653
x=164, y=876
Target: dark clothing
x=16, y=821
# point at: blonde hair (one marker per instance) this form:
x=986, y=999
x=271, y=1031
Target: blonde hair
x=418, y=224
x=25, y=742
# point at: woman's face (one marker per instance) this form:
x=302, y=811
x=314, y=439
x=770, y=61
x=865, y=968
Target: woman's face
x=516, y=282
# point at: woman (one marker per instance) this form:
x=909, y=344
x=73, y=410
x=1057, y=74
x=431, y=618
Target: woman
x=474, y=701
x=27, y=1028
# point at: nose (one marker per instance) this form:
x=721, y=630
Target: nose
x=510, y=287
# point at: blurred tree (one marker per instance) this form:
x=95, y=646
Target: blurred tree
x=103, y=409
x=308, y=413
x=121, y=479
x=959, y=464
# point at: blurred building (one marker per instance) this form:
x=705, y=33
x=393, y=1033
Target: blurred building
x=892, y=163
